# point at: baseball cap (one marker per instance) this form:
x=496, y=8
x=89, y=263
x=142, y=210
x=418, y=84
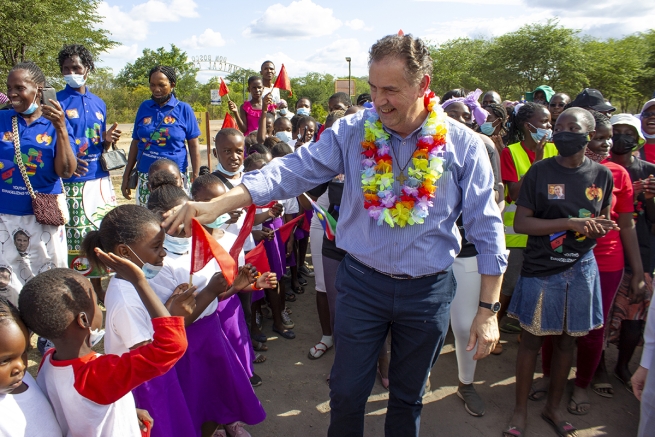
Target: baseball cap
x=593, y=99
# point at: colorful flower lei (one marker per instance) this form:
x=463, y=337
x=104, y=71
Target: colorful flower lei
x=411, y=207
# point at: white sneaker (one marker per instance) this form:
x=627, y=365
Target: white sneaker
x=286, y=320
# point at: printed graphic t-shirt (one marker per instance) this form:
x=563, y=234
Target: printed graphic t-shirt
x=553, y=192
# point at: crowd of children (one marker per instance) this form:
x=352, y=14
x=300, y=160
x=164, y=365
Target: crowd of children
x=577, y=192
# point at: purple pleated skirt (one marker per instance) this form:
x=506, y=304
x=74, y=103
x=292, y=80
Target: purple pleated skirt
x=214, y=382
x=163, y=398
x=234, y=326
x=275, y=249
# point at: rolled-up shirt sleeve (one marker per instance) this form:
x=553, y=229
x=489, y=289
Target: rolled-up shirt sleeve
x=307, y=167
x=480, y=214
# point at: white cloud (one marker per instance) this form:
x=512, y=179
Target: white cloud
x=123, y=26
x=162, y=11
x=301, y=19
x=208, y=38
x=477, y=2
x=355, y=24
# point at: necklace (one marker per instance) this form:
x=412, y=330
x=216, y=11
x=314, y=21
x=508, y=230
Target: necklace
x=401, y=177
x=417, y=191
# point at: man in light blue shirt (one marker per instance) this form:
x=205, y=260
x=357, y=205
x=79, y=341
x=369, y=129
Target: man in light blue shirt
x=397, y=279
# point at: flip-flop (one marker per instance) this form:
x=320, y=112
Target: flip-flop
x=289, y=296
x=513, y=431
x=320, y=348
x=287, y=333
x=627, y=384
x=535, y=394
x=259, y=358
x=576, y=407
x=259, y=346
x=563, y=429
x=302, y=281
x=598, y=389
x=259, y=337
x=299, y=290
x=498, y=349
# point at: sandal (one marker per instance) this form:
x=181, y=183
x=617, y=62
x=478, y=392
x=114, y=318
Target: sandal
x=498, y=349
x=259, y=358
x=563, y=429
x=604, y=389
x=537, y=394
x=288, y=310
x=319, y=350
x=574, y=407
x=627, y=384
x=261, y=338
x=287, y=333
x=302, y=281
x=289, y=296
x=299, y=290
x=259, y=346
x=513, y=431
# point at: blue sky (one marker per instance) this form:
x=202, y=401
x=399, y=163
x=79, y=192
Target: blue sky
x=317, y=35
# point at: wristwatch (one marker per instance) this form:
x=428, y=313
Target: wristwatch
x=495, y=307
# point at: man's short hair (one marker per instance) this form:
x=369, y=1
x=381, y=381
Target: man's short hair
x=413, y=51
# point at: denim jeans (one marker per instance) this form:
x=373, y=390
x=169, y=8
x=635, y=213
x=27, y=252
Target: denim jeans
x=370, y=303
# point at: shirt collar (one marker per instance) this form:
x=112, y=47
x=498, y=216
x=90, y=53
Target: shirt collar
x=171, y=102
x=412, y=134
x=69, y=90
x=40, y=120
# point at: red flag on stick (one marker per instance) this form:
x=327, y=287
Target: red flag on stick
x=222, y=89
x=229, y=122
x=243, y=233
x=257, y=257
x=283, y=82
x=286, y=229
x=204, y=248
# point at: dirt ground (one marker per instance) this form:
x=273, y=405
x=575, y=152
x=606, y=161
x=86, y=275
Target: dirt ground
x=296, y=397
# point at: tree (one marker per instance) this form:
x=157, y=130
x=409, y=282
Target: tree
x=36, y=31
x=458, y=64
x=136, y=74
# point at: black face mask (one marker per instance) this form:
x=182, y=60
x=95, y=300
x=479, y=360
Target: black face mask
x=622, y=144
x=161, y=100
x=570, y=143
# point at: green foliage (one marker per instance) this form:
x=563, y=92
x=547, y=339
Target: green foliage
x=133, y=75
x=37, y=30
x=456, y=64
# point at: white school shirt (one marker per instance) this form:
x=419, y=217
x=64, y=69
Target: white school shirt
x=289, y=206
x=275, y=93
x=127, y=321
x=234, y=228
x=28, y=414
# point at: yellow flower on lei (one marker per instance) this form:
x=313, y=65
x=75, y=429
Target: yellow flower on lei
x=384, y=167
x=400, y=214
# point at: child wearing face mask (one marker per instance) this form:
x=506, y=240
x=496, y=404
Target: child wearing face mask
x=283, y=110
x=24, y=409
x=215, y=383
x=282, y=127
x=89, y=392
x=247, y=117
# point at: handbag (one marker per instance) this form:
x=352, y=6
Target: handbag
x=47, y=207
x=113, y=159
x=133, y=178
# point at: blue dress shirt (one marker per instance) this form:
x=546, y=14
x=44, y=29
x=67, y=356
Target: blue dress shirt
x=467, y=185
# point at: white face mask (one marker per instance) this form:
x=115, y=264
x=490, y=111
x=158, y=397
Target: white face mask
x=283, y=136
x=177, y=245
x=220, y=168
x=283, y=111
x=75, y=80
x=302, y=111
x=96, y=336
x=149, y=270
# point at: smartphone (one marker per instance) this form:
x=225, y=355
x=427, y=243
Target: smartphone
x=48, y=94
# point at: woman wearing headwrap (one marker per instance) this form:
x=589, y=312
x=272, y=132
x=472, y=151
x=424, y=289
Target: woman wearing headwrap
x=162, y=125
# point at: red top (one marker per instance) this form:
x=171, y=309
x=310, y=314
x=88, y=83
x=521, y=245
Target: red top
x=649, y=153
x=507, y=167
x=104, y=379
x=609, y=249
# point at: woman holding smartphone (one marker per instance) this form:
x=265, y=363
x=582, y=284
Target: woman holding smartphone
x=44, y=139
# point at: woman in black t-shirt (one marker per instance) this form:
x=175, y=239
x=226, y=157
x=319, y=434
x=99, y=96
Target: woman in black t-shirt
x=562, y=207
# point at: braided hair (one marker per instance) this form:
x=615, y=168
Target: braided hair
x=518, y=118
x=167, y=71
x=34, y=71
x=86, y=58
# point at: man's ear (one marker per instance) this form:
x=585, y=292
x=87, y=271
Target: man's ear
x=83, y=320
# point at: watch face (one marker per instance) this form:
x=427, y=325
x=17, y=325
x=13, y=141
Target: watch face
x=495, y=307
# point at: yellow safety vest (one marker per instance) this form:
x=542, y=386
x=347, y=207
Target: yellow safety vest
x=522, y=164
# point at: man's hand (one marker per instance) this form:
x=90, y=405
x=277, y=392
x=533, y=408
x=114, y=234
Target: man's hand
x=82, y=167
x=484, y=332
x=179, y=218
x=639, y=381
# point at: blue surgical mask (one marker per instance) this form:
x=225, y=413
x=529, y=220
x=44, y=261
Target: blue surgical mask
x=283, y=136
x=220, y=168
x=33, y=107
x=75, y=80
x=283, y=111
x=540, y=134
x=220, y=221
x=302, y=111
x=149, y=270
x=487, y=128
x=177, y=245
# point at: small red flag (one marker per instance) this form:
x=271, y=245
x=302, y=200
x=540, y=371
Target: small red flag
x=286, y=229
x=401, y=33
x=229, y=122
x=243, y=233
x=282, y=82
x=222, y=89
x=257, y=257
x=204, y=248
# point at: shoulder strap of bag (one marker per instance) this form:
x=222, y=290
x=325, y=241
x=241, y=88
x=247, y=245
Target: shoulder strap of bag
x=223, y=179
x=19, y=157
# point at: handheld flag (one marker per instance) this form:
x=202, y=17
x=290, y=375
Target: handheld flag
x=243, y=233
x=283, y=82
x=327, y=221
x=286, y=229
x=229, y=122
x=204, y=248
x=257, y=257
x=401, y=33
x=222, y=89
